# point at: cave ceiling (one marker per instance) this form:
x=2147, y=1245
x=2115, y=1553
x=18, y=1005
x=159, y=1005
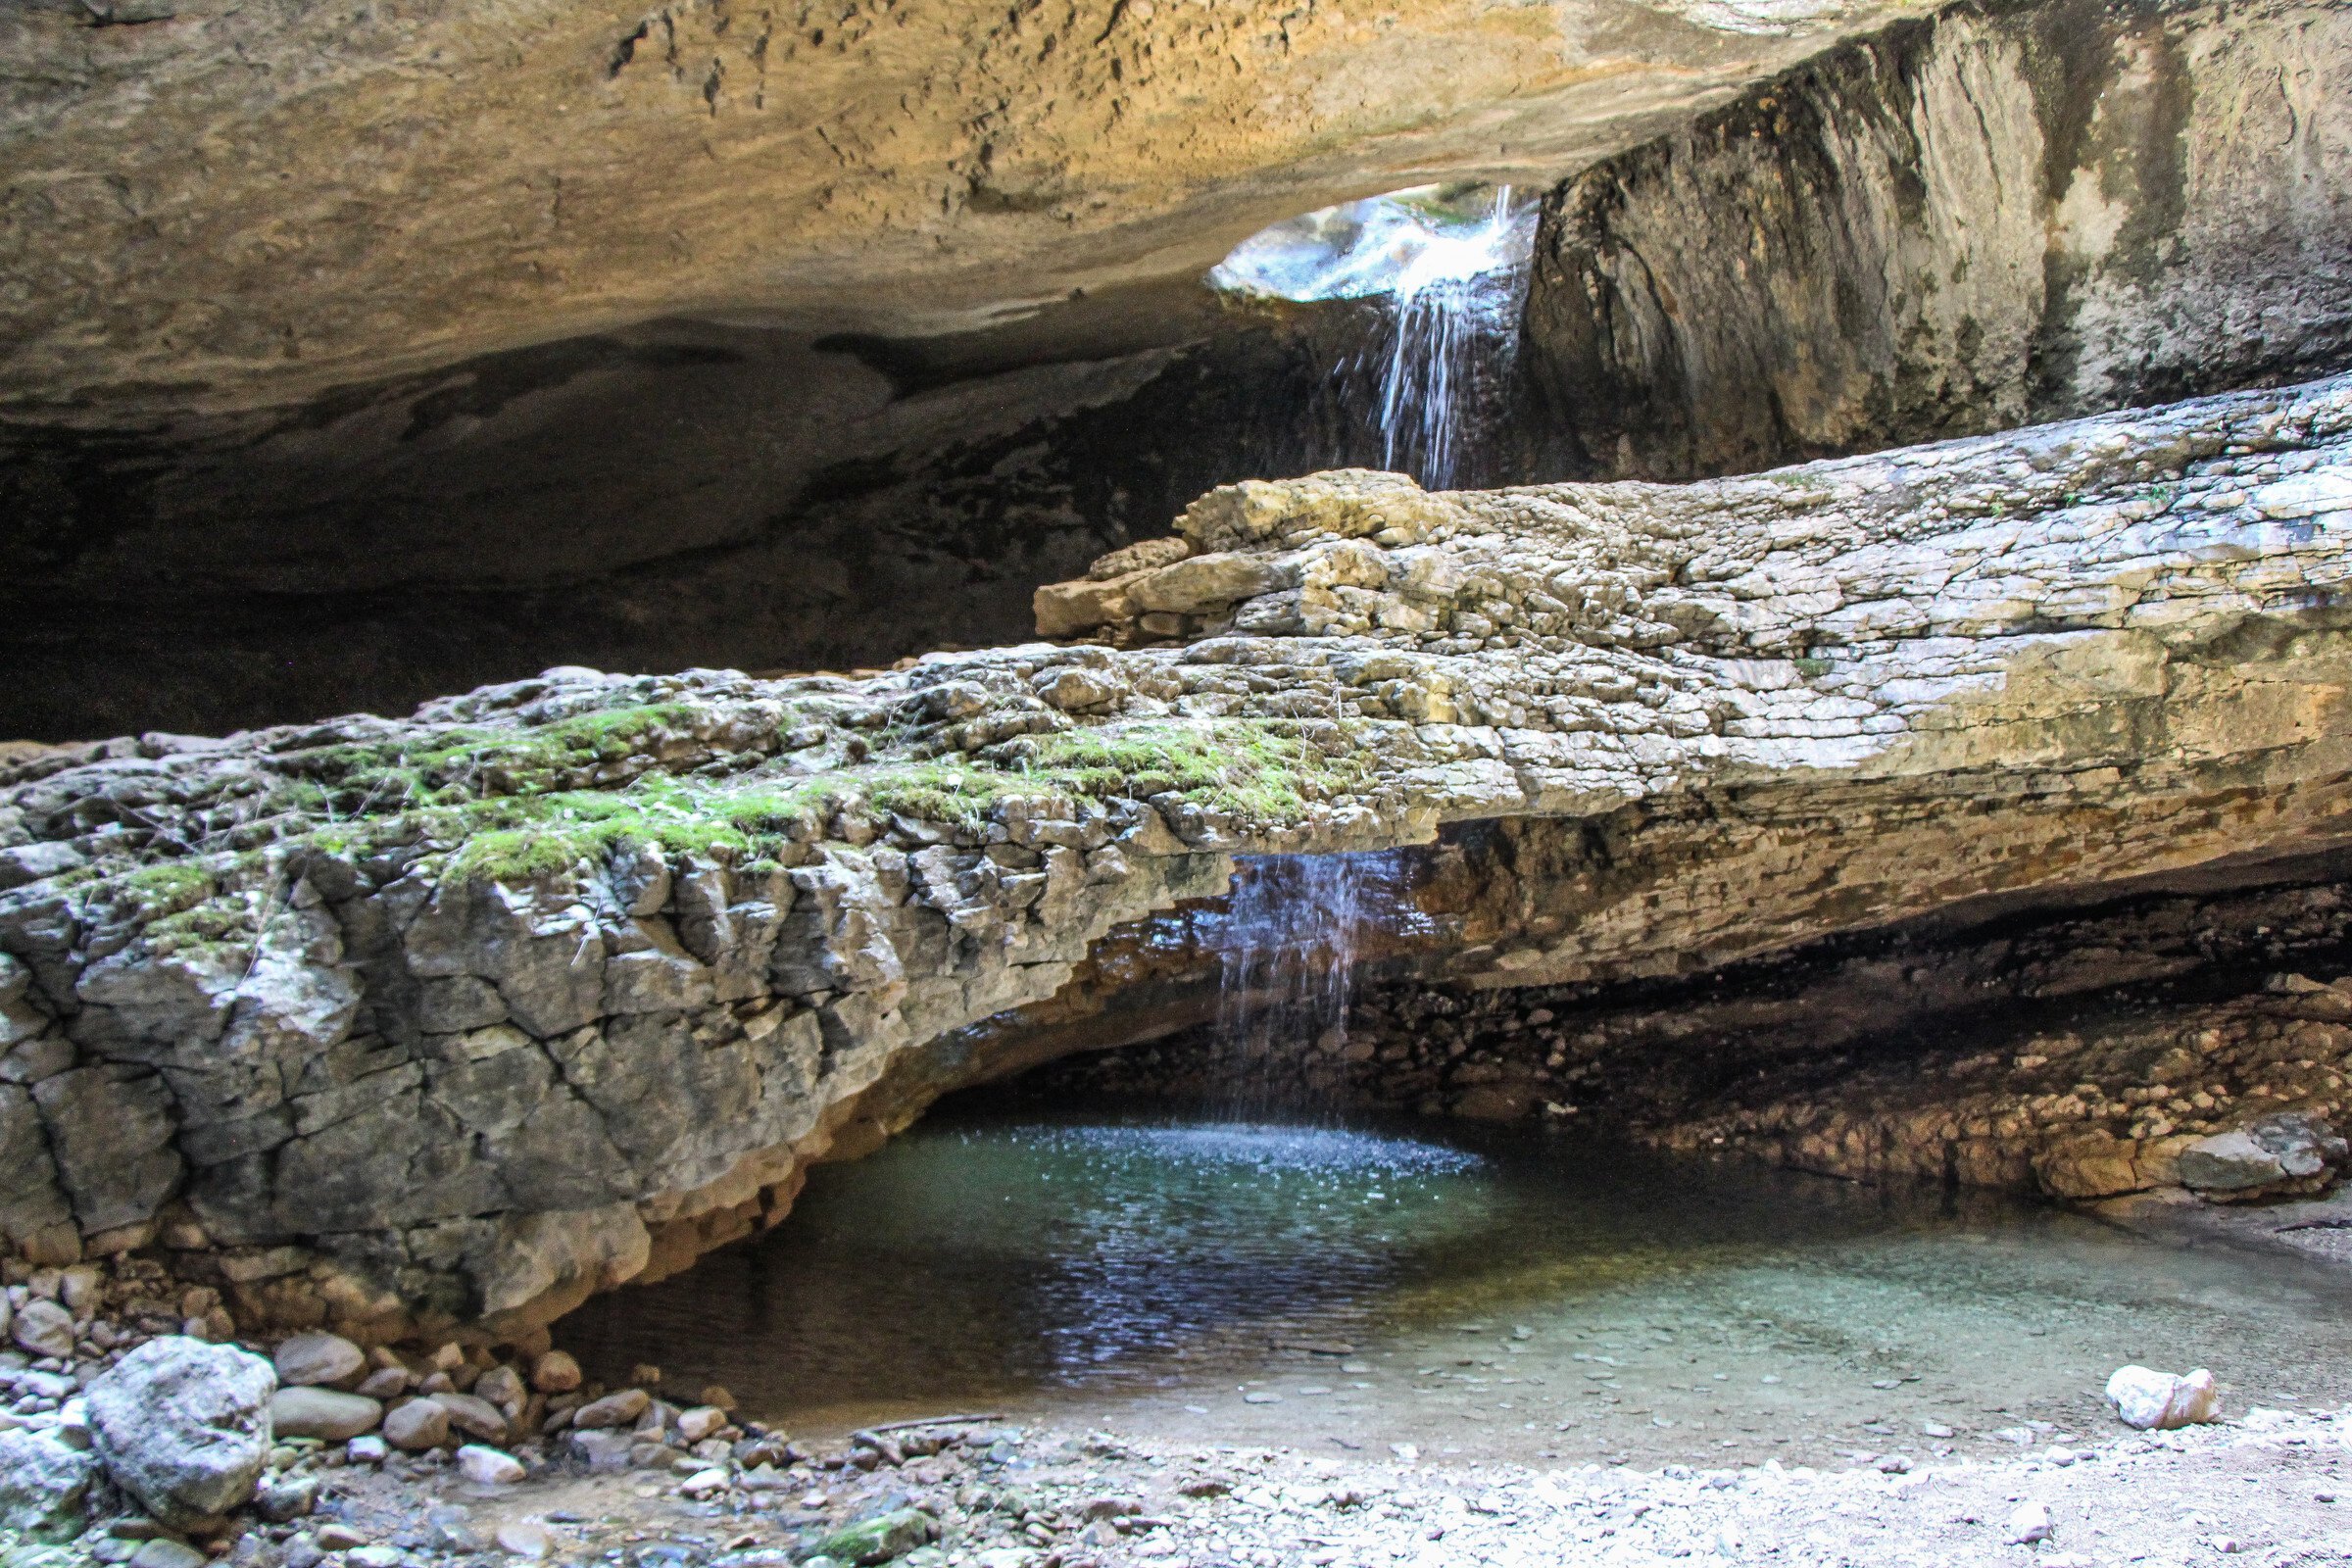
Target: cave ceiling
x=224, y=203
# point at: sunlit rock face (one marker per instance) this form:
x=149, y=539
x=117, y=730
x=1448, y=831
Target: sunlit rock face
x=238, y=203
x=1964, y=223
x=399, y=1024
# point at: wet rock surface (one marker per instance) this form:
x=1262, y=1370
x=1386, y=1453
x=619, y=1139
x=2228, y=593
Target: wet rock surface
x=384, y=1025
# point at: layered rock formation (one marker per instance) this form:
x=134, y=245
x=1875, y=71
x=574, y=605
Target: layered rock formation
x=395, y=1024
x=1986, y=218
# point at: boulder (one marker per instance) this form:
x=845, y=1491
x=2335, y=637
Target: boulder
x=2228, y=1162
x=1206, y=583
x=44, y=1482
x=2305, y=1145
x=327, y=1414
x=183, y=1427
x=319, y=1360
x=2153, y=1400
x=1065, y=608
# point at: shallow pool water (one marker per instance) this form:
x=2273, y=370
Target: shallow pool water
x=1509, y=1296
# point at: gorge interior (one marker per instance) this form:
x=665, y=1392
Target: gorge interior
x=1630, y=847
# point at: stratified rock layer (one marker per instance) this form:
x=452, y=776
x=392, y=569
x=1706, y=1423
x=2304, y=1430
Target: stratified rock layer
x=393, y=1024
x=1995, y=216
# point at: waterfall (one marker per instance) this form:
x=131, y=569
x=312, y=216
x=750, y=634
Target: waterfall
x=1446, y=269
x=1287, y=944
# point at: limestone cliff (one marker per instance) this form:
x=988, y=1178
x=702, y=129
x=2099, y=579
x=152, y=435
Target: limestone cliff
x=457, y=1018
x=1994, y=215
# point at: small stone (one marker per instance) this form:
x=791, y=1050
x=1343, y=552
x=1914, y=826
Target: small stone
x=367, y=1450
x=416, y=1426
x=715, y=1396
x=489, y=1467
x=283, y=1498
x=377, y=1557
x=613, y=1410
x=475, y=1417
x=386, y=1382
x=1262, y=1397
x=165, y=1552
x=702, y=1483
x=338, y=1538
x=603, y=1449
x=501, y=1386
x=1935, y=1429
x=700, y=1422
x=43, y=1328
x=319, y=1362
x=523, y=1537
x=2029, y=1523
x=327, y=1414
x=556, y=1372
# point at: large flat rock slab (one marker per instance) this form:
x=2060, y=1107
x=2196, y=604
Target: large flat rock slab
x=396, y=1024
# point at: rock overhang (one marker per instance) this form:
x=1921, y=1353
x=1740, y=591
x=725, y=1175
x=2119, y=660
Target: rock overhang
x=405, y=1023
x=413, y=187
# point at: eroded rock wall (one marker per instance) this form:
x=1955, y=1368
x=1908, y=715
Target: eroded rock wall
x=1996, y=215
x=400, y=1023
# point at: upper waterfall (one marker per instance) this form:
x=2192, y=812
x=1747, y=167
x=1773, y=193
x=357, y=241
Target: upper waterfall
x=1448, y=268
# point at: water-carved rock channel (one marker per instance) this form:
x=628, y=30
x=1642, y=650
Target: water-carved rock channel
x=1142, y=782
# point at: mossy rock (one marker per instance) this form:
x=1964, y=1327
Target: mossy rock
x=877, y=1540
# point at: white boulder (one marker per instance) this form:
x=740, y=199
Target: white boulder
x=183, y=1427
x=2153, y=1400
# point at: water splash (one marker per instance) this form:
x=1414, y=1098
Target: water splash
x=1448, y=268
x=1287, y=945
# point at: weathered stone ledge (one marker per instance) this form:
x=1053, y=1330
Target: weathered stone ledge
x=405, y=1024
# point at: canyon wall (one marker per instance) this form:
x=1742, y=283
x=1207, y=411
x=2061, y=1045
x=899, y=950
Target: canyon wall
x=1995, y=216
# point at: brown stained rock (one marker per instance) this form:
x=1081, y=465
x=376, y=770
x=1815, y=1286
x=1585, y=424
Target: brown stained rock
x=322, y=1413
x=319, y=1360
x=417, y=1426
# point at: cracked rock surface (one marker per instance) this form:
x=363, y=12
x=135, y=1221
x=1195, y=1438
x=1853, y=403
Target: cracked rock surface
x=396, y=1025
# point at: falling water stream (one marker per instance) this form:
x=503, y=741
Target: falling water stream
x=1286, y=945
x=1446, y=268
